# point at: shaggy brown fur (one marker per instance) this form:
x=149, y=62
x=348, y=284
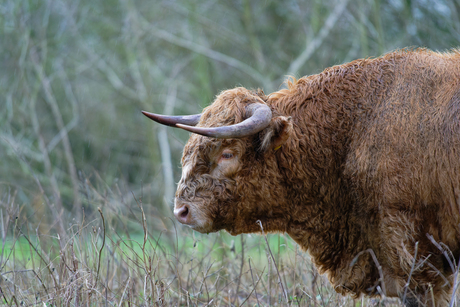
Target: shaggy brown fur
x=369, y=164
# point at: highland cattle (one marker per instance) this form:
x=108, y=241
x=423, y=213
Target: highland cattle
x=359, y=164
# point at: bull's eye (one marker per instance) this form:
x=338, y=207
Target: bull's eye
x=227, y=155
x=226, y=164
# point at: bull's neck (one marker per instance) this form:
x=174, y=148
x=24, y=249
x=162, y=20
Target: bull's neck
x=312, y=163
x=317, y=191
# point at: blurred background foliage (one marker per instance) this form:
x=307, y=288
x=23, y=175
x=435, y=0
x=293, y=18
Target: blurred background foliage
x=75, y=75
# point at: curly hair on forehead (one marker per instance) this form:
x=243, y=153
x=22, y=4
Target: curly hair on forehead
x=228, y=107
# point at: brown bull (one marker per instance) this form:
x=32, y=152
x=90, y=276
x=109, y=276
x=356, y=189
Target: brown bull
x=359, y=164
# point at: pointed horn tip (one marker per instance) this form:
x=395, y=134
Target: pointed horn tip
x=146, y=113
x=152, y=116
x=171, y=121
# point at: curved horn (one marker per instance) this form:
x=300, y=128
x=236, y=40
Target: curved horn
x=189, y=120
x=259, y=118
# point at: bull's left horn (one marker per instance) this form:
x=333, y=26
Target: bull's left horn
x=259, y=117
x=189, y=120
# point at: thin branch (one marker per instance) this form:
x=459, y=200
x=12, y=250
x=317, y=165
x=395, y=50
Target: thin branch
x=103, y=244
x=406, y=286
x=318, y=40
x=165, y=149
x=379, y=267
x=99, y=61
x=241, y=272
x=56, y=206
x=212, y=54
x=51, y=100
x=17, y=146
x=46, y=262
x=111, y=75
x=73, y=101
x=252, y=276
x=280, y=281
x=254, y=289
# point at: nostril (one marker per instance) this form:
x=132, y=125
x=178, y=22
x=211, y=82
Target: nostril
x=184, y=212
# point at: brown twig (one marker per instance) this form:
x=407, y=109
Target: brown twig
x=241, y=271
x=103, y=243
x=253, y=289
x=379, y=267
x=39, y=255
x=406, y=286
x=280, y=281
x=252, y=276
x=4, y=297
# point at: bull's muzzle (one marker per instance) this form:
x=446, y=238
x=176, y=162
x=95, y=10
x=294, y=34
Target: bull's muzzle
x=182, y=213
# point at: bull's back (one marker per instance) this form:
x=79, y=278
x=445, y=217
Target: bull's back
x=406, y=159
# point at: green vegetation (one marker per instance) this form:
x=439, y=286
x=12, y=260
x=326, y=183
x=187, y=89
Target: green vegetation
x=74, y=76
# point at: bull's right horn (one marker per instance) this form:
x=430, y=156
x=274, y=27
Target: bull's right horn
x=259, y=117
x=189, y=120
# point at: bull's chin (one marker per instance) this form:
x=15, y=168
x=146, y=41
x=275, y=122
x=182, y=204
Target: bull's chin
x=203, y=229
x=199, y=225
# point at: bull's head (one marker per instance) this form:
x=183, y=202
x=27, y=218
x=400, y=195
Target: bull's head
x=230, y=176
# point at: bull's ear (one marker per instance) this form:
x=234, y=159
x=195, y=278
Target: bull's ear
x=277, y=133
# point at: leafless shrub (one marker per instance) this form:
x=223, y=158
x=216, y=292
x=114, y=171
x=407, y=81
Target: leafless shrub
x=99, y=265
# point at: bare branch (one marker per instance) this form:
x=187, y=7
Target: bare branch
x=50, y=98
x=212, y=54
x=318, y=40
x=166, y=150
x=73, y=100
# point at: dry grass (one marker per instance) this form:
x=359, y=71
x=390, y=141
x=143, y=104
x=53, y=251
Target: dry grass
x=96, y=264
x=125, y=253
x=122, y=252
